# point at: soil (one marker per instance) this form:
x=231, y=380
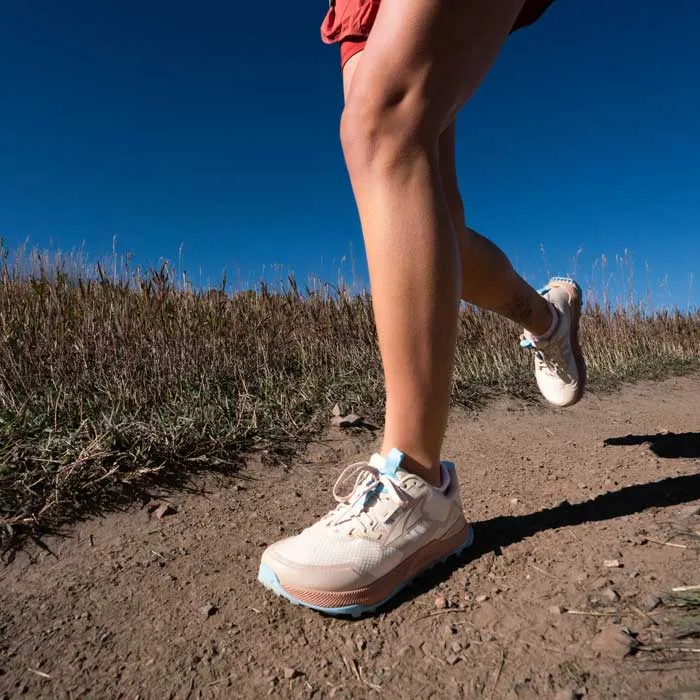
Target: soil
x=132, y=605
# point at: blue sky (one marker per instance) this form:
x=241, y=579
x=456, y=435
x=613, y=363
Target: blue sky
x=213, y=126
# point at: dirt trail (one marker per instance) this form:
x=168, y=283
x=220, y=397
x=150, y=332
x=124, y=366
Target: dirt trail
x=131, y=606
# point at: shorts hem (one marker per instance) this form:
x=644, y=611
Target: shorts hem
x=350, y=48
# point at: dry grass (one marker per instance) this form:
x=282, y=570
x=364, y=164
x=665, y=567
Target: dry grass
x=686, y=626
x=112, y=382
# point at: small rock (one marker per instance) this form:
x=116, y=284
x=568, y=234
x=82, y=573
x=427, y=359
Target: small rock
x=360, y=643
x=208, y=609
x=614, y=642
x=481, y=598
x=456, y=647
x=565, y=695
x=612, y=564
x=514, y=501
x=290, y=672
x=649, y=602
x=440, y=602
x=557, y=609
x=610, y=594
x=452, y=659
x=350, y=421
x=163, y=510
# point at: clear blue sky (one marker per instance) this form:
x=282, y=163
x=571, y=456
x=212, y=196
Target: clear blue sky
x=213, y=125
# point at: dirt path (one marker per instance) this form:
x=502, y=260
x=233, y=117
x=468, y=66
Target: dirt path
x=130, y=606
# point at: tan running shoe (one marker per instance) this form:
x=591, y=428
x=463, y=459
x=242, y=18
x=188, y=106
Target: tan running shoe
x=388, y=528
x=560, y=369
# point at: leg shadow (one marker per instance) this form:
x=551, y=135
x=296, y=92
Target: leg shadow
x=667, y=445
x=491, y=535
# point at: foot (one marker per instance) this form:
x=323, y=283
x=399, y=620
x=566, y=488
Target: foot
x=388, y=527
x=560, y=369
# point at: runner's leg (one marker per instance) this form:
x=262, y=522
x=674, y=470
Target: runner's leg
x=423, y=60
x=488, y=278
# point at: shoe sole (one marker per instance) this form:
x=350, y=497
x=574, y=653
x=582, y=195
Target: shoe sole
x=269, y=579
x=576, y=296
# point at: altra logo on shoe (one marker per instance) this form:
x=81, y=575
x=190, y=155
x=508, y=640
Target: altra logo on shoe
x=403, y=521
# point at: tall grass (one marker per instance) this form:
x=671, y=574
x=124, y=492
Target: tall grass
x=111, y=380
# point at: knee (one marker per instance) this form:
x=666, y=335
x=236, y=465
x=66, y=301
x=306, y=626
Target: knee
x=380, y=129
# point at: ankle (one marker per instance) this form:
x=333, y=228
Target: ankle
x=431, y=474
x=547, y=328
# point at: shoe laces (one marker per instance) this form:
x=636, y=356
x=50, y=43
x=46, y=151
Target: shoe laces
x=550, y=358
x=362, y=504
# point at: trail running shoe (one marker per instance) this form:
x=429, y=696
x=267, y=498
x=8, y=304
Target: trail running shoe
x=388, y=527
x=560, y=368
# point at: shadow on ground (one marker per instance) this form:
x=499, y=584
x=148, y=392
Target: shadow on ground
x=491, y=535
x=667, y=445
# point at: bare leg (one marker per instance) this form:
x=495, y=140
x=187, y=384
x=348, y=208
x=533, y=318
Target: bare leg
x=488, y=279
x=423, y=60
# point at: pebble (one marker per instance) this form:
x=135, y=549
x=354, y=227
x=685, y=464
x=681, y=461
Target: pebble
x=612, y=564
x=514, y=501
x=208, y=609
x=481, y=598
x=611, y=595
x=290, y=672
x=441, y=602
x=163, y=510
x=565, y=695
x=456, y=647
x=452, y=659
x=557, y=609
x=349, y=421
x=614, y=642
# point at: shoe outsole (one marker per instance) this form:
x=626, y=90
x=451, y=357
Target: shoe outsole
x=269, y=579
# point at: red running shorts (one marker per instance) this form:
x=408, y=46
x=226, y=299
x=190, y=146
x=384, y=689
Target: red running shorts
x=348, y=22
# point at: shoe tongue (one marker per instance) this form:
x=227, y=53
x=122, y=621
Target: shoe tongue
x=388, y=465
